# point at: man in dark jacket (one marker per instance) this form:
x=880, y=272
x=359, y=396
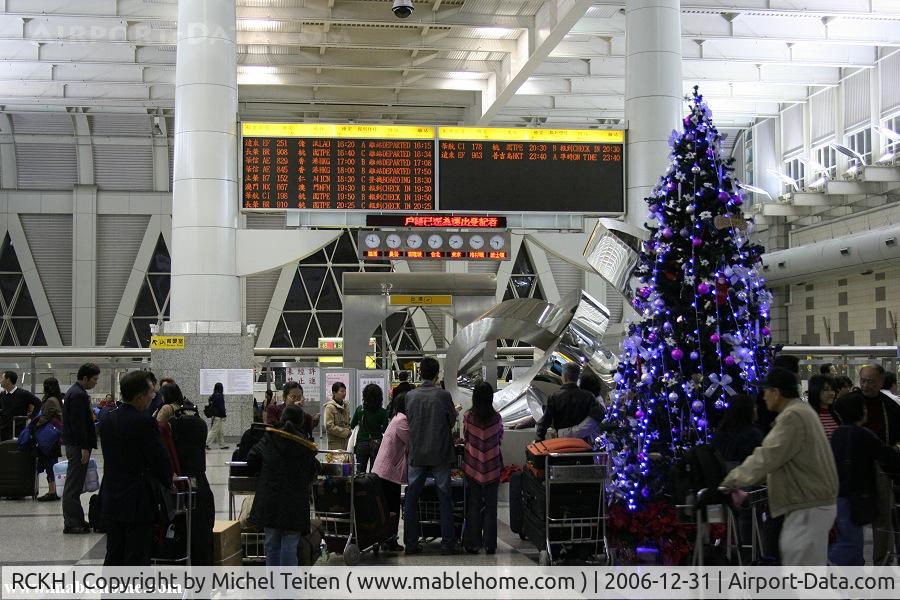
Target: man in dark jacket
x=570, y=405
x=431, y=416
x=14, y=402
x=884, y=420
x=80, y=437
x=286, y=463
x=133, y=456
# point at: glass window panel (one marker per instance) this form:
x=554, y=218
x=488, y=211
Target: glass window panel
x=297, y=325
x=24, y=329
x=522, y=285
x=39, y=339
x=7, y=339
x=160, y=286
x=142, y=328
x=315, y=259
x=329, y=298
x=296, y=298
x=9, y=262
x=345, y=252
x=523, y=263
x=330, y=324
x=9, y=283
x=281, y=339
x=24, y=306
x=128, y=340
x=313, y=278
x=161, y=261
x=145, y=307
x=311, y=340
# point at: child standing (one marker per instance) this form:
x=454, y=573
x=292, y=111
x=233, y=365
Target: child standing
x=483, y=463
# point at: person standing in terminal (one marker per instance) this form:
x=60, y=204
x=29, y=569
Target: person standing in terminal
x=157, y=400
x=391, y=464
x=821, y=397
x=80, y=437
x=217, y=430
x=570, y=405
x=883, y=418
x=337, y=417
x=797, y=464
x=51, y=410
x=483, y=431
x=14, y=402
x=432, y=416
x=135, y=462
x=372, y=420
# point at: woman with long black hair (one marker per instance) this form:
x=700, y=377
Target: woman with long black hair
x=822, y=393
x=738, y=436
x=483, y=431
x=51, y=412
x=372, y=420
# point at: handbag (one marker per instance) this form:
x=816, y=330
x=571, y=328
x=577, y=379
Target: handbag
x=208, y=411
x=47, y=436
x=351, y=441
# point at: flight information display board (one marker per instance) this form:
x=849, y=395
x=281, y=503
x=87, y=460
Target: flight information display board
x=531, y=170
x=342, y=167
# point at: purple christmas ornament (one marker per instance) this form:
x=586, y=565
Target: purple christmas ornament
x=703, y=289
x=714, y=338
x=667, y=232
x=702, y=423
x=729, y=360
x=639, y=414
x=697, y=406
x=695, y=356
x=677, y=354
x=696, y=242
x=765, y=331
x=724, y=196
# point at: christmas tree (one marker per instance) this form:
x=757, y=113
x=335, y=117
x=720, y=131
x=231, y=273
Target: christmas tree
x=702, y=334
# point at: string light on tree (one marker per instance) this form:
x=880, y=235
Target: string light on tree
x=703, y=333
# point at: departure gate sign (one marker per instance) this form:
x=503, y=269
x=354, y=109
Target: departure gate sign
x=343, y=167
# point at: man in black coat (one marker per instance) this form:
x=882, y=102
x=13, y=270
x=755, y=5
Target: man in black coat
x=133, y=456
x=80, y=437
x=570, y=405
x=14, y=402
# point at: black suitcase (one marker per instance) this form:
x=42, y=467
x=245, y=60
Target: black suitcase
x=515, y=503
x=171, y=547
x=373, y=521
x=95, y=514
x=567, y=500
x=18, y=471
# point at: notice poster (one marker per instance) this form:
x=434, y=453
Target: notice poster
x=235, y=382
x=308, y=378
x=379, y=378
x=332, y=377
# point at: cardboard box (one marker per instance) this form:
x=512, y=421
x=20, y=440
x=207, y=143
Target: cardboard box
x=227, y=542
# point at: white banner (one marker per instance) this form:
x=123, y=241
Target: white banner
x=308, y=378
x=235, y=382
x=488, y=581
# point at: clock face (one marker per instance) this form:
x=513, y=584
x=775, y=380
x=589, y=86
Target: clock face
x=497, y=242
x=455, y=241
x=476, y=241
x=435, y=241
x=372, y=240
x=414, y=241
x=393, y=240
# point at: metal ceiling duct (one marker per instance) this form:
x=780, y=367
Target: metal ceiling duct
x=832, y=257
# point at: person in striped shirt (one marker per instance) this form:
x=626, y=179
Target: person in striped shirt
x=821, y=397
x=483, y=430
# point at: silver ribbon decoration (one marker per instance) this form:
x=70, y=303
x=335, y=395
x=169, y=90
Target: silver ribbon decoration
x=717, y=382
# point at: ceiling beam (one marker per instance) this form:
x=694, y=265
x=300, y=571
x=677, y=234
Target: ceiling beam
x=554, y=20
x=810, y=8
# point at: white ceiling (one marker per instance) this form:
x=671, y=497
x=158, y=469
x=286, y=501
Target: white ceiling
x=477, y=61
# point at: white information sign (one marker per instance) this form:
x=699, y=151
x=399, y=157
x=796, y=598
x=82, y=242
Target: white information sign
x=378, y=377
x=235, y=382
x=308, y=378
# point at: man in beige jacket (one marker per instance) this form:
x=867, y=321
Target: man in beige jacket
x=796, y=462
x=337, y=417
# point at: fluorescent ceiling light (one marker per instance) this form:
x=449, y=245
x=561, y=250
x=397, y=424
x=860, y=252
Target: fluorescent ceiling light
x=493, y=31
x=257, y=24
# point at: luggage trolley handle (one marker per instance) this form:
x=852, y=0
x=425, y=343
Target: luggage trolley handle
x=185, y=495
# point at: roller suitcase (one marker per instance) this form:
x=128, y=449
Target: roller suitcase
x=515, y=503
x=95, y=514
x=536, y=454
x=567, y=501
x=18, y=471
x=373, y=522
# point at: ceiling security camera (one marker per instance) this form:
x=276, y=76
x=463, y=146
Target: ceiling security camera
x=403, y=8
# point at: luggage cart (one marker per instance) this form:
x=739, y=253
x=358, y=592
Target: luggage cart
x=589, y=529
x=429, y=509
x=185, y=502
x=339, y=529
x=713, y=506
x=240, y=483
x=22, y=421
x=758, y=502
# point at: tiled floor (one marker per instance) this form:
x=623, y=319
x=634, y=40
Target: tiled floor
x=32, y=532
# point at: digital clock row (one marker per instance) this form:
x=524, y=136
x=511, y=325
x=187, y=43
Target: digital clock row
x=434, y=240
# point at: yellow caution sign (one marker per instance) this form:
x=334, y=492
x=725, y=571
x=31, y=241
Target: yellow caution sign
x=414, y=300
x=167, y=342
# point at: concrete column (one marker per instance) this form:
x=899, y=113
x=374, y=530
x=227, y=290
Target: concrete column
x=653, y=94
x=205, y=284
x=84, y=266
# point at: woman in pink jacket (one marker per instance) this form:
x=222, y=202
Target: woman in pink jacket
x=391, y=464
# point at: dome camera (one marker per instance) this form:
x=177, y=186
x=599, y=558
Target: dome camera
x=403, y=8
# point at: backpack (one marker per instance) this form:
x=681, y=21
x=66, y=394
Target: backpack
x=189, y=437
x=700, y=468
